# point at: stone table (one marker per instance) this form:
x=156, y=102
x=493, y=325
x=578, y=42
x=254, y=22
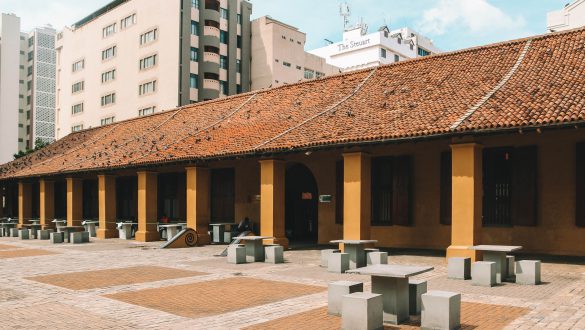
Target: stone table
x=391, y=281
x=125, y=229
x=90, y=226
x=254, y=247
x=218, y=229
x=497, y=254
x=355, y=249
x=172, y=229
x=67, y=230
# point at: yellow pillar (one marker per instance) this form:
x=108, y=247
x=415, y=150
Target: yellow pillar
x=198, y=202
x=357, y=208
x=147, y=207
x=467, y=186
x=74, y=201
x=107, y=206
x=24, y=203
x=272, y=200
x=47, y=203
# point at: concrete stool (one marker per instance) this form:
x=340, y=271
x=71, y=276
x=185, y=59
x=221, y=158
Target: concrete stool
x=44, y=234
x=483, y=273
x=56, y=238
x=528, y=272
x=336, y=292
x=368, y=250
x=416, y=288
x=377, y=258
x=227, y=236
x=362, y=311
x=274, y=254
x=338, y=262
x=79, y=237
x=459, y=268
x=24, y=234
x=325, y=256
x=236, y=254
x=14, y=232
x=32, y=233
x=511, y=260
x=441, y=310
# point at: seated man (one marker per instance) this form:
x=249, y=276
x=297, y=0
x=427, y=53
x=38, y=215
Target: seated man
x=163, y=231
x=243, y=226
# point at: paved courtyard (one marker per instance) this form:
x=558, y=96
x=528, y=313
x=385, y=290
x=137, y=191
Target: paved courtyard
x=131, y=285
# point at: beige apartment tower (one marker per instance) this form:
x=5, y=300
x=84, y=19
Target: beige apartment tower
x=136, y=57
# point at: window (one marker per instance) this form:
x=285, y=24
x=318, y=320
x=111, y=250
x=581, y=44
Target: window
x=212, y=4
x=223, y=37
x=239, y=41
x=510, y=186
x=298, y=67
x=396, y=58
x=147, y=88
x=195, y=3
x=108, y=99
x=211, y=76
x=146, y=111
x=423, y=52
x=77, y=87
x=109, y=30
x=77, y=128
x=31, y=55
x=276, y=60
x=194, y=54
x=239, y=66
x=31, y=41
x=194, y=81
x=286, y=64
x=194, y=28
x=77, y=108
x=148, y=37
x=77, y=66
x=223, y=87
x=383, y=53
x=238, y=89
x=148, y=62
x=239, y=18
x=223, y=62
x=319, y=74
x=309, y=74
x=339, y=190
x=284, y=37
x=108, y=53
x=224, y=13
x=107, y=121
x=391, y=191
x=128, y=21
x=29, y=85
x=108, y=76
x=30, y=71
x=28, y=103
x=446, y=188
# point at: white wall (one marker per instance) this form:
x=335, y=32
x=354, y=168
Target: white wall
x=570, y=17
x=9, y=85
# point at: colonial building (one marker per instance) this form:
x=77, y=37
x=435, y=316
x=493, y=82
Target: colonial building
x=484, y=145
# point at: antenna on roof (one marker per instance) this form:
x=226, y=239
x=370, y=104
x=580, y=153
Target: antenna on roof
x=345, y=13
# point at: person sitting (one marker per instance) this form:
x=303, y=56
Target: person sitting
x=243, y=226
x=164, y=219
x=162, y=230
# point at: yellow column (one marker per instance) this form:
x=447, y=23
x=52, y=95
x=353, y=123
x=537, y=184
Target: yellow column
x=147, y=207
x=47, y=203
x=272, y=200
x=467, y=184
x=198, y=202
x=357, y=208
x=74, y=201
x=107, y=206
x=24, y=203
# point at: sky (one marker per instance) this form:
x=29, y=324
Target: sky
x=451, y=24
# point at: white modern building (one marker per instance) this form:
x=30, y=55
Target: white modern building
x=360, y=49
x=570, y=17
x=9, y=85
x=279, y=56
x=136, y=57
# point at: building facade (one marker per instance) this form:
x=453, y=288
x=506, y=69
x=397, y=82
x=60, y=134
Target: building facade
x=137, y=57
x=360, y=50
x=10, y=93
x=279, y=56
x=570, y=17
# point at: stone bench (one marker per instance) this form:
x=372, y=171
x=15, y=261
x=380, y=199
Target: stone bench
x=416, y=288
x=14, y=232
x=338, y=263
x=44, y=234
x=459, y=268
x=79, y=237
x=337, y=290
x=511, y=261
x=236, y=254
x=441, y=310
x=274, y=254
x=24, y=233
x=377, y=258
x=528, y=272
x=362, y=310
x=57, y=238
x=325, y=256
x=483, y=273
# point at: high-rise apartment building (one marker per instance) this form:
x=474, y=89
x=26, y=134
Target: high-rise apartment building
x=572, y=16
x=279, y=56
x=10, y=95
x=136, y=57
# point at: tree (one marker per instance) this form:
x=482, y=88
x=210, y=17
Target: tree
x=39, y=144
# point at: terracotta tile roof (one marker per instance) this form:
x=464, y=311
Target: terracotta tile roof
x=538, y=81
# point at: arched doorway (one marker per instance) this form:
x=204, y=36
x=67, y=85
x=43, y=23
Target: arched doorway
x=301, y=205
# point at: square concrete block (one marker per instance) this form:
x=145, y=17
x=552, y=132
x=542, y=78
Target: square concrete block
x=362, y=311
x=24, y=234
x=368, y=250
x=44, y=234
x=325, y=256
x=441, y=310
x=416, y=288
x=528, y=272
x=274, y=254
x=14, y=232
x=377, y=258
x=79, y=237
x=338, y=263
x=56, y=238
x=236, y=254
x=511, y=267
x=336, y=292
x=32, y=233
x=483, y=273
x=459, y=268
x=227, y=237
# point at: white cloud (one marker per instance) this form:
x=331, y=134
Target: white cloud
x=476, y=16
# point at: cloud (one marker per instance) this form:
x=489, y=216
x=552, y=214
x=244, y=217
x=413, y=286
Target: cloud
x=478, y=17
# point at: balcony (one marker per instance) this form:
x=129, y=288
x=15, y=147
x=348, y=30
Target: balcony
x=211, y=57
x=211, y=84
x=211, y=31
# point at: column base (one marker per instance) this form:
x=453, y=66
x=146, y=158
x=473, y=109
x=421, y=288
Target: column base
x=107, y=233
x=203, y=238
x=463, y=251
x=278, y=240
x=147, y=236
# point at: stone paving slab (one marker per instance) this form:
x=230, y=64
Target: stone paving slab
x=7, y=247
x=21, y=253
